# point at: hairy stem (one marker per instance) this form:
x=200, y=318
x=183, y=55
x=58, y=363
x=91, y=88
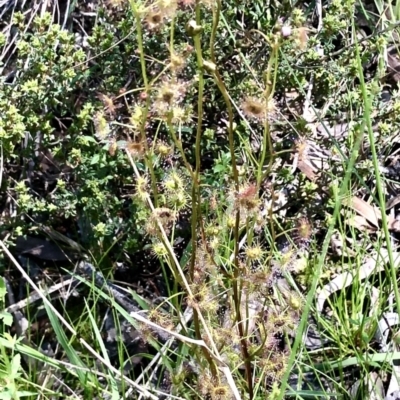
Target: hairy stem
x=237, y=287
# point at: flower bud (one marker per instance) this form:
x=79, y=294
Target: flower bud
x=286, y=31
x=192, y=29
x=209, y=66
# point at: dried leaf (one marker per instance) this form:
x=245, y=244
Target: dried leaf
x=360, y=223
x=370, y=213
x=394, y=225
x=394, y=67
x=372, y=384
x=338, y=131
x=307, y=170
x=392, y=202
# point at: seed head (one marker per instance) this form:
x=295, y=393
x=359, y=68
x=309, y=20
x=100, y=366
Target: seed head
x=159, y=250
x=268, y=367
x=178, y=62
x=173, y=182
x=214, y=243
x=220, y=393
x=163, y=216
x=295, y=301
x=254, y=252
x=136, y=149
x=204, y=383
x=247, y=198
x=154, y=19
x=142, y=189
x=286, y=263
x=170, y=91
x=200, y=294
x=271, y=342
x=303, y=232
x=281, y=361
x=259, y=278
x=108, y=103
x=178, y=200
x=168, y=95
x=161, y=319
x=163, y=149
x=181, y=115
x=254, y=108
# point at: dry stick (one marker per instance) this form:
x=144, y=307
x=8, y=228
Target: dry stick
x=167, y=244
x=69, y=327
x=36, y=296
x=318, y=6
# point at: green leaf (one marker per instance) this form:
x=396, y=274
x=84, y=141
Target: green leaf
x=6, y=317
x=89, y=138
x=95, y=159
x=70, y=351
x=219, y=168
x=25, y=393
x=13, y=340
x=186, y=129
x=6, y=394
x=15, y=365
x=99, y=339
x=3, y=289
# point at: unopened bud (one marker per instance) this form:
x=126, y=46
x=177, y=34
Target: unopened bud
x=209, y=66
x=286, y=31
x=192, y=29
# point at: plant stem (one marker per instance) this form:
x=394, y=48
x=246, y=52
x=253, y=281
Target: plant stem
x=148, y=160
x=237, y=287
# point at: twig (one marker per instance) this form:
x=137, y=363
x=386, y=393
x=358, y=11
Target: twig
x=318, y=6
x=35, y=296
